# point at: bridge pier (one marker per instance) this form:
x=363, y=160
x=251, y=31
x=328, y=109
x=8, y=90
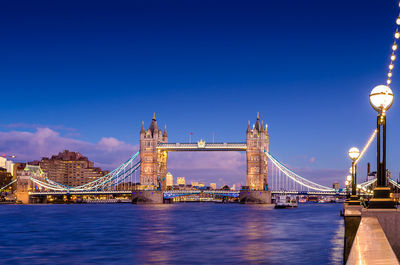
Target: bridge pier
x=147, y=197
x=255, y=197
x=22, y=196
x=38, y=199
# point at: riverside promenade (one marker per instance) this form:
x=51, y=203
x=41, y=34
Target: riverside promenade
x=371, y=235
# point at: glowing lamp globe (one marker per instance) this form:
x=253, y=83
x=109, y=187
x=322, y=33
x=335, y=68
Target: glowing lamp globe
x=354, y=153
x=381, y=98
x=349, y=178
x=347, y=183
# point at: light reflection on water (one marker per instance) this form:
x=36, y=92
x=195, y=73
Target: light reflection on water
x=191, y=233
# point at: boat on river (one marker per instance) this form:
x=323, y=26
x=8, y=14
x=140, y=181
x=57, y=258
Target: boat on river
x=286, y=201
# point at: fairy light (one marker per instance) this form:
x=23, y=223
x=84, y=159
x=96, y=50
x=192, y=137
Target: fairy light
x=394, y=48
x=371, y=138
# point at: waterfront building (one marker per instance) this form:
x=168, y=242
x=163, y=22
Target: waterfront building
x=70, y=168
x=169, y=179
x=6, y=164
x=180, y=181
x=201, y=185
x=213, y=186
x=335, y=185
x=233, y=187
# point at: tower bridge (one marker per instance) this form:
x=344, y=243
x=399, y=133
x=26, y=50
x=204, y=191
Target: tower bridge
x=265, y=175
x=154, y=148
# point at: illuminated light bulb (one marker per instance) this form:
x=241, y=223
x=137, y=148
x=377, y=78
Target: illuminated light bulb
x=390, y=74
x=358, y=186
x=398, y=21
x=393, y=57
x=381, y=98
x=397, y=35
x=388, y=81
x=391, y=66
x=394, y=47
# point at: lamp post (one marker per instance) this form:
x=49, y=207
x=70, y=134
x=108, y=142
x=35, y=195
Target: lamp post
x=348, y=183
x=354, y=153
x=381, y=99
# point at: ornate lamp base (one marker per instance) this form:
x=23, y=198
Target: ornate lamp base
x=381, y=199
x=354, y=200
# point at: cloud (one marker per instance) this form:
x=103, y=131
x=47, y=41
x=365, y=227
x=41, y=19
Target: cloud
x=108, y=153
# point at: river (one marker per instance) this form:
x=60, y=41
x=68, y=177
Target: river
x=181, y=233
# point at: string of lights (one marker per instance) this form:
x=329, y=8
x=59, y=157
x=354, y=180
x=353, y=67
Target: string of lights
x=394, y=48
x=371, y=138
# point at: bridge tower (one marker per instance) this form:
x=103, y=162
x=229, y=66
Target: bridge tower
x=257, y=140
x=153, y=163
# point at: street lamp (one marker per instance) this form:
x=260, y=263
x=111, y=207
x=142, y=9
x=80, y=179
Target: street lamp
x=381, y=99
x=354, y=153
x=348, y=183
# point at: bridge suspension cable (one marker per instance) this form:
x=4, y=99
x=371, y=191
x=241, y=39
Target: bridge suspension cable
x=373, y=181
x=9, y=184
x=299, y=182
x=109, y=181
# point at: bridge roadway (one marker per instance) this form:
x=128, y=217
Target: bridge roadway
x=177, y=193
x=202, y=146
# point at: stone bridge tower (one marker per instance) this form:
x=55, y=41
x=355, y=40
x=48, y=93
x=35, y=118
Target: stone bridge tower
x=153, y=163
x=257, y=141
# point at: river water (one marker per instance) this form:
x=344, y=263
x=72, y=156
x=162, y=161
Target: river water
x=182, y=233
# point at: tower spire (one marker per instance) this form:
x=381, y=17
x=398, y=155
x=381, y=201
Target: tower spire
x=142, y=130
x=258, y=125
x=165, y=131
x=153, y=126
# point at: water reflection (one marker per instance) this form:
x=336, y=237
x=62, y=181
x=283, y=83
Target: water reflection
x=337, y=243
x=255, y=229
x=155, y=234
x=187, y=233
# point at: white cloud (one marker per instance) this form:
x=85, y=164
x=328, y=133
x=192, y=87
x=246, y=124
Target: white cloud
x=108, y=153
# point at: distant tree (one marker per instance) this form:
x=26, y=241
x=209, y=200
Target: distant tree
x=226, y=187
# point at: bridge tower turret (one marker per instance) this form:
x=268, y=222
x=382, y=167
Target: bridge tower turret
x=257, y=140
x=153, y=163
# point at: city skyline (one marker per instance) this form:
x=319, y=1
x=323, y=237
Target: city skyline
x=91, y=77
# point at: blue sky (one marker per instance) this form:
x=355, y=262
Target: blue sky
x=90, y=71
